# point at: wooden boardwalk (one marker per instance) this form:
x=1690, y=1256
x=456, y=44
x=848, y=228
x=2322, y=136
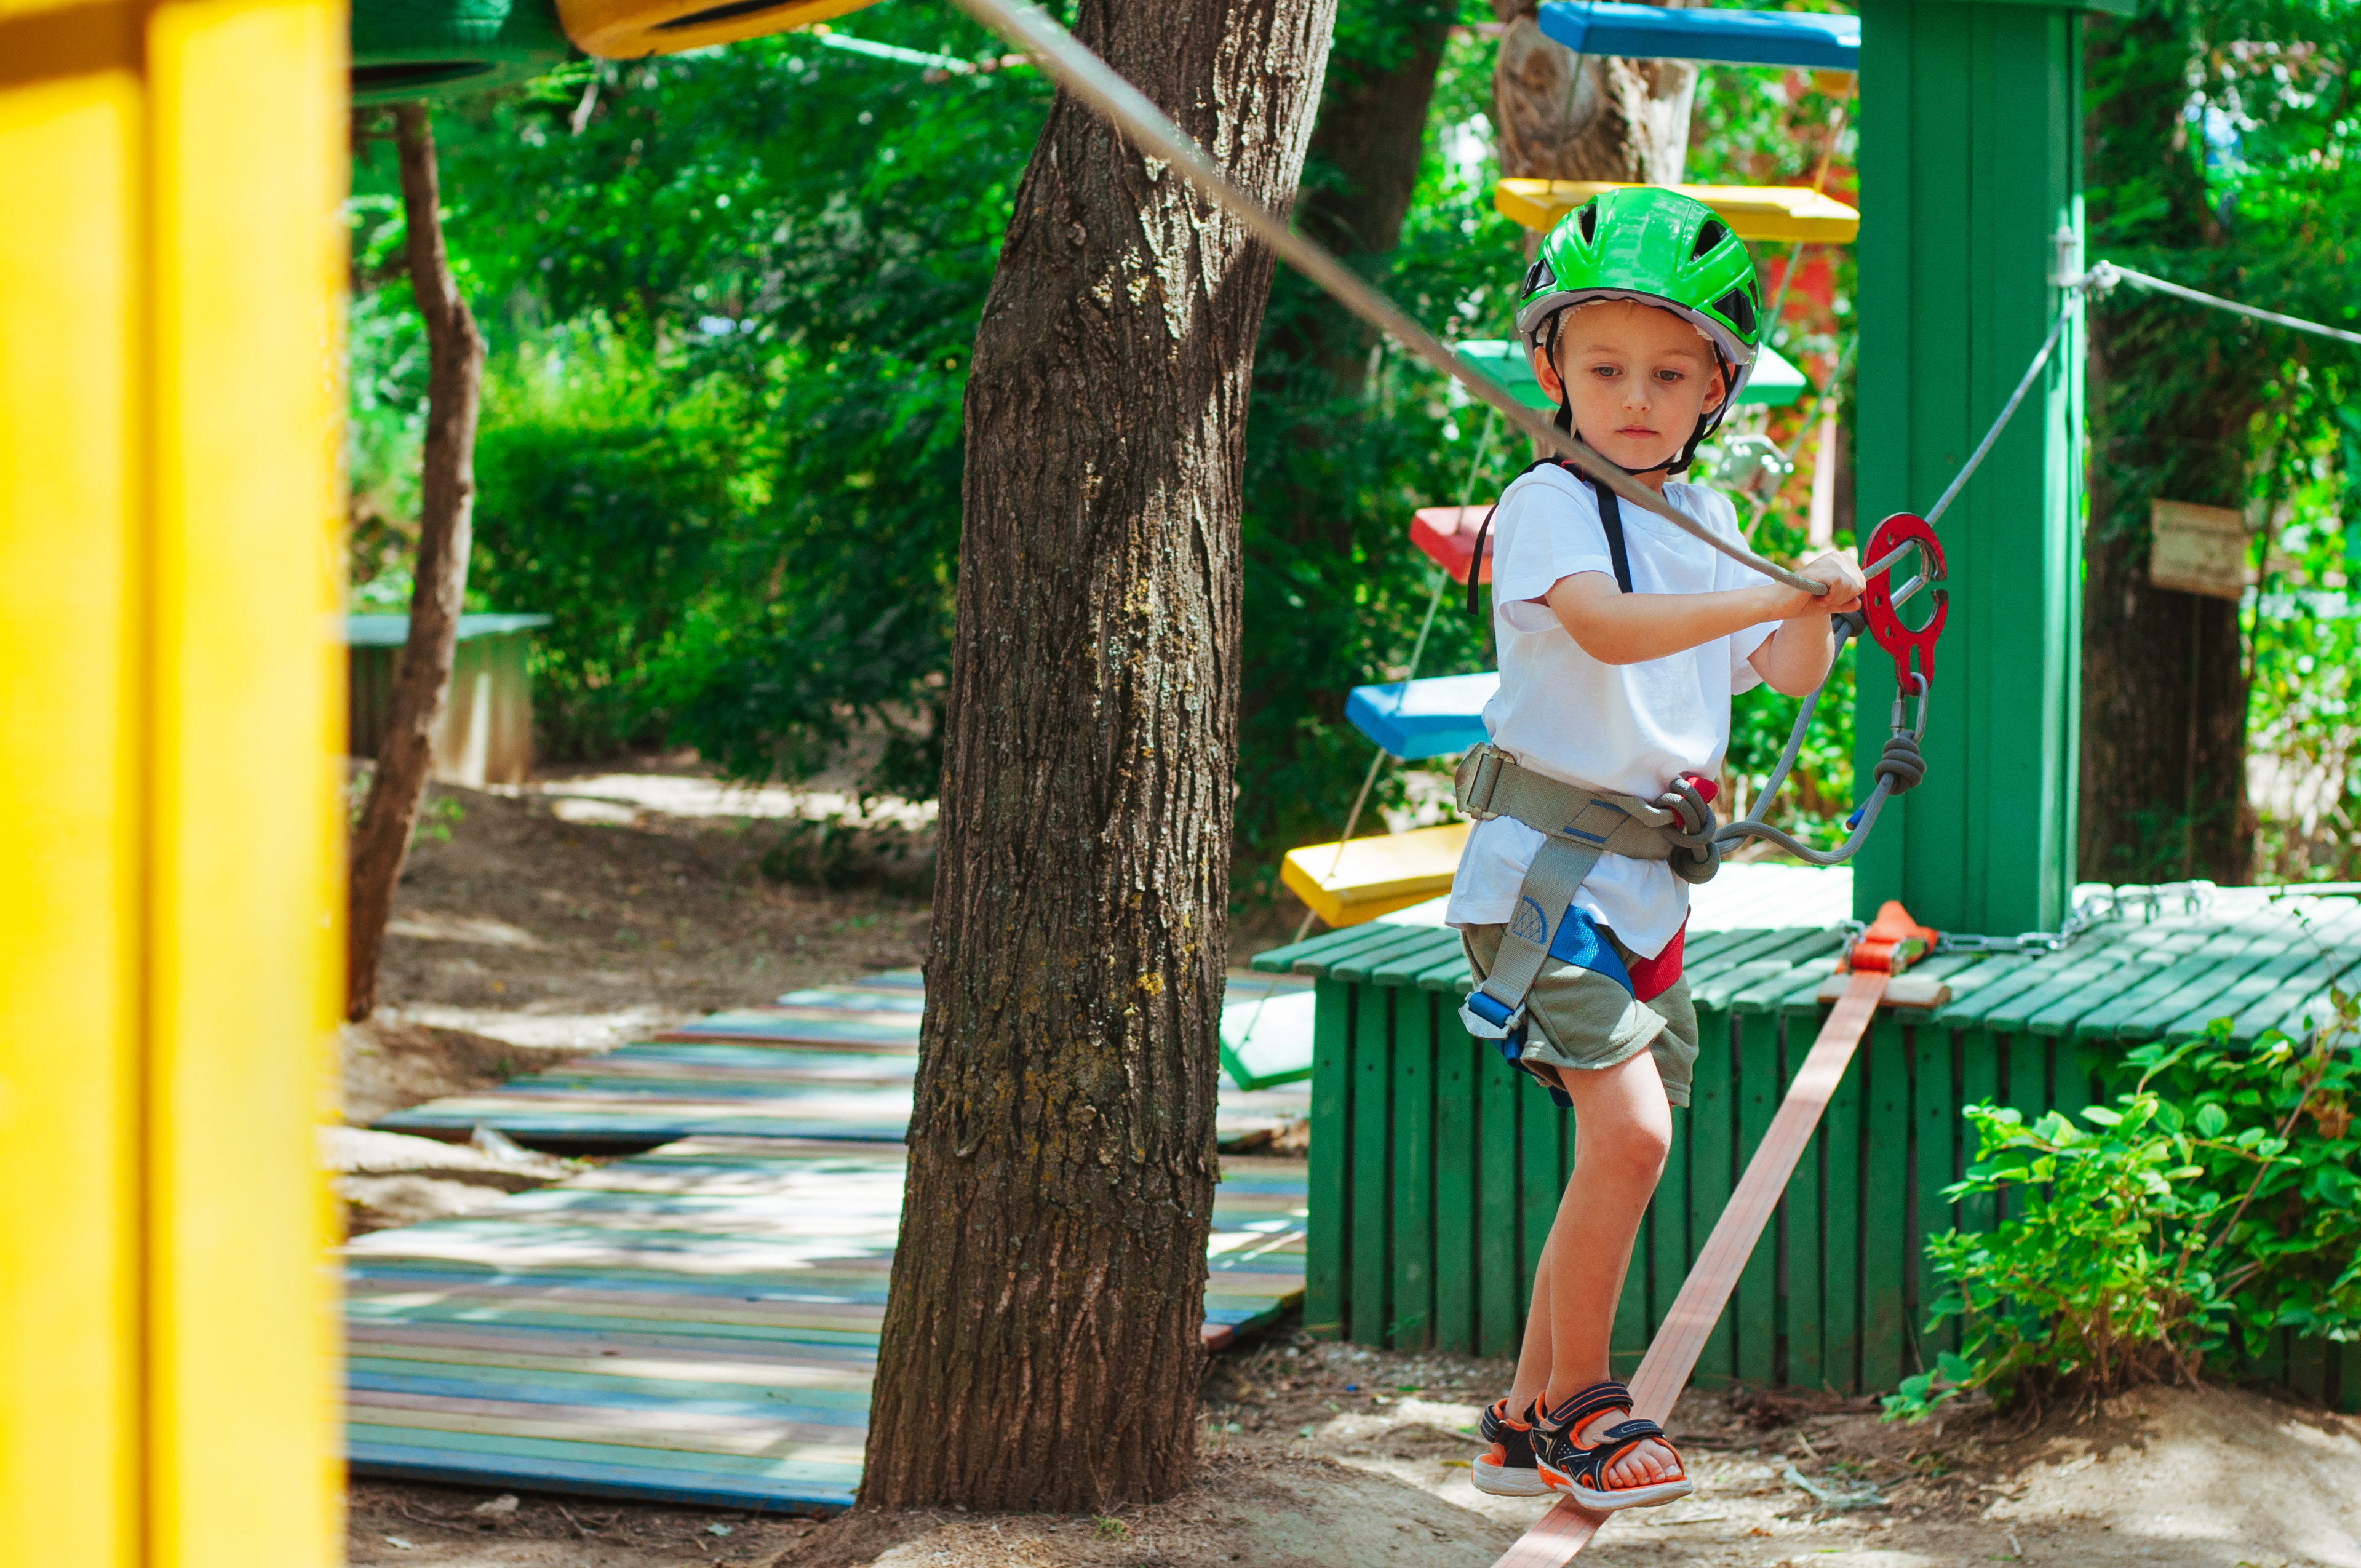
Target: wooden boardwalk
x=698, y=1324
x=832, y=1062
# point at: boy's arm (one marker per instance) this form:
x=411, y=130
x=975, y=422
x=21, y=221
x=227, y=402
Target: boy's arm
x=1616, y=627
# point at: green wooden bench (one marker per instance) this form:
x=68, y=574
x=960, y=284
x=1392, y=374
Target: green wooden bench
x=1436, y=1169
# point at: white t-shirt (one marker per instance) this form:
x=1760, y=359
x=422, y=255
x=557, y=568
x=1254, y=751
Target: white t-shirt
x=1624, y=729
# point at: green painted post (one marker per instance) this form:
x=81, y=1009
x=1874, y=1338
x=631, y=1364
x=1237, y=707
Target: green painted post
x=1970, y=165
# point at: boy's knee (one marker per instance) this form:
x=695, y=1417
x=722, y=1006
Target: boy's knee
x=1638, y=1149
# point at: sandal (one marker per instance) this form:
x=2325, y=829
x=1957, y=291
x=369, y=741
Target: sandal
x=1564, y=1465
x=1513, y=1475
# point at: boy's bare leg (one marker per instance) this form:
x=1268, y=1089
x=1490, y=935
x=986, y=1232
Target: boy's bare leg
x=1533, y=1356
x=1623, y=1129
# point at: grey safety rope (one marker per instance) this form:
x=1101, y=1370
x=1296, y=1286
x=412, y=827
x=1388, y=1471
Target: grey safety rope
x=2104, y=275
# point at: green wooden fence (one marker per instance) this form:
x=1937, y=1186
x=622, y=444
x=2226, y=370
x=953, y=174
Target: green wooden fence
x=1437, y=1169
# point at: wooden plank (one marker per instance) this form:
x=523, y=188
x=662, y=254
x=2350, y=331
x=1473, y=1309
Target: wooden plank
x=1410, y=1316
x=1743, y=946
x=670, y=1432
x=2299, y=956
x=1805, y=1279
x=1885, y=1219
x=2222, y=943
x=1937, y=1072
x=1392, y=941
x=1331, y=1160
x=2151, y=1019
x=1366, y=1311
x=1317, y=956
x=1459, y=1063
x=1980, y=1054
x=1713, y=1165
x=1405, y=964
x=1841, y=1300
x=1500, y=1282
x=599, y=1480
x=1754, y=1308
x=510, y=1444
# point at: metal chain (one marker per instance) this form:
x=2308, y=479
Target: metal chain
x=2097, y=908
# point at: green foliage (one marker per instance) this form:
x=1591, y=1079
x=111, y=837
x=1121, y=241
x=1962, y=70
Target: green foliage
x=2218, y=1202
x=635, y=508
x=2225, y=154
x=730, y=296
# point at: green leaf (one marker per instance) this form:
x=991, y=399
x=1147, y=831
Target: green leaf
x=2211, y=1119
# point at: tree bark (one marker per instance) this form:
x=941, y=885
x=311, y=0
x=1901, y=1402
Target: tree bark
x=2172, y=397
x=1560, y=116
x=421, y=681
x=1041, y=1345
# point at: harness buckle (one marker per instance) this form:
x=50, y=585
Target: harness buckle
x=1490, y=1019
x=1475, y=778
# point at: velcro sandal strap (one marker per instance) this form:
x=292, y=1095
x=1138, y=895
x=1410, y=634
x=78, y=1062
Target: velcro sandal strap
x=1597, y=1399
x=1495, y=1423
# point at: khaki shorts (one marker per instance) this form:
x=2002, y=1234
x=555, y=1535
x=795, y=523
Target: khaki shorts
x=1579, y=1018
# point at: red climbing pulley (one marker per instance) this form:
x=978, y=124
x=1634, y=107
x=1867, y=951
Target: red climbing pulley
x=1894, y=534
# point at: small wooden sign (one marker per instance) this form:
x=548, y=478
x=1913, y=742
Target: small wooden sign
x=2198, y=550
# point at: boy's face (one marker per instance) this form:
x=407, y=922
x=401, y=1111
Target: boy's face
x=1638, y=379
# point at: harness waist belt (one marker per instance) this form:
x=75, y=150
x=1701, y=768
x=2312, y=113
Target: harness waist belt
x=1580, y=824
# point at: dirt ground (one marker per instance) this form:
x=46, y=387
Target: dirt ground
x=594, y=907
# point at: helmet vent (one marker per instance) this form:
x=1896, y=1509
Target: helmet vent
x=1588, y=219
x=1710, y=233
x=1539, y=277
x=1736, y=307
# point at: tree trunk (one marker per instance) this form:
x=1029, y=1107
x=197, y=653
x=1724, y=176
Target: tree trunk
x=422, y=682
x=1560, y=116
x=2172, y=394
x=1041, y=1346
x=1361, y=173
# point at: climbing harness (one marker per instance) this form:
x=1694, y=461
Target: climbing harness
x=1578, y=826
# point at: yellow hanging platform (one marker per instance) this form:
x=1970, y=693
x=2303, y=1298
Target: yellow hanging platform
x=627, y=29
x=1753, y=212
x=1375, y=876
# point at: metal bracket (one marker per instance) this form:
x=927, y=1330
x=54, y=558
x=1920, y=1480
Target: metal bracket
x=1884, y=623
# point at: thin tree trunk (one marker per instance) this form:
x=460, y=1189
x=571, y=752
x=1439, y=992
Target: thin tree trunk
x=1041, y=1346
x=1359, y=178
x=422, y=682
x=1560, y=116
x=2172, y=396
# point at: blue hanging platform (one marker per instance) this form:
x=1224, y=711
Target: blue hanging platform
x=1813, y=40
x=1430, y=718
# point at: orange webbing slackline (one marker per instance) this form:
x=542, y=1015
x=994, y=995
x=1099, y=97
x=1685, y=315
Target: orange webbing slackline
x=1566, y=1528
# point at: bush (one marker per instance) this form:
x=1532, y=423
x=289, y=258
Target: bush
x=2218, y=1202
x=631, y=509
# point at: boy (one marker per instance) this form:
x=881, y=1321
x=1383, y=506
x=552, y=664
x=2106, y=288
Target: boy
x=1621, y=642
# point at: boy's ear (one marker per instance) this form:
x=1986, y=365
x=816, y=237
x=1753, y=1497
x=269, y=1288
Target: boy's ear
x=1718, y=393
x=1545, y=372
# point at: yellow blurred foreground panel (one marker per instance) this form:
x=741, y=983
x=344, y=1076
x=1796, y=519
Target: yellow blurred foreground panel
x=1753, y=212
x=1375, y=876
x=170, y=888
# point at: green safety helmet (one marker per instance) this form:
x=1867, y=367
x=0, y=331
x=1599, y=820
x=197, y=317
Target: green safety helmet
x=1661, y=249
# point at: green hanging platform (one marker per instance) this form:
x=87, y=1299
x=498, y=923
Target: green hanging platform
x=405, y=49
